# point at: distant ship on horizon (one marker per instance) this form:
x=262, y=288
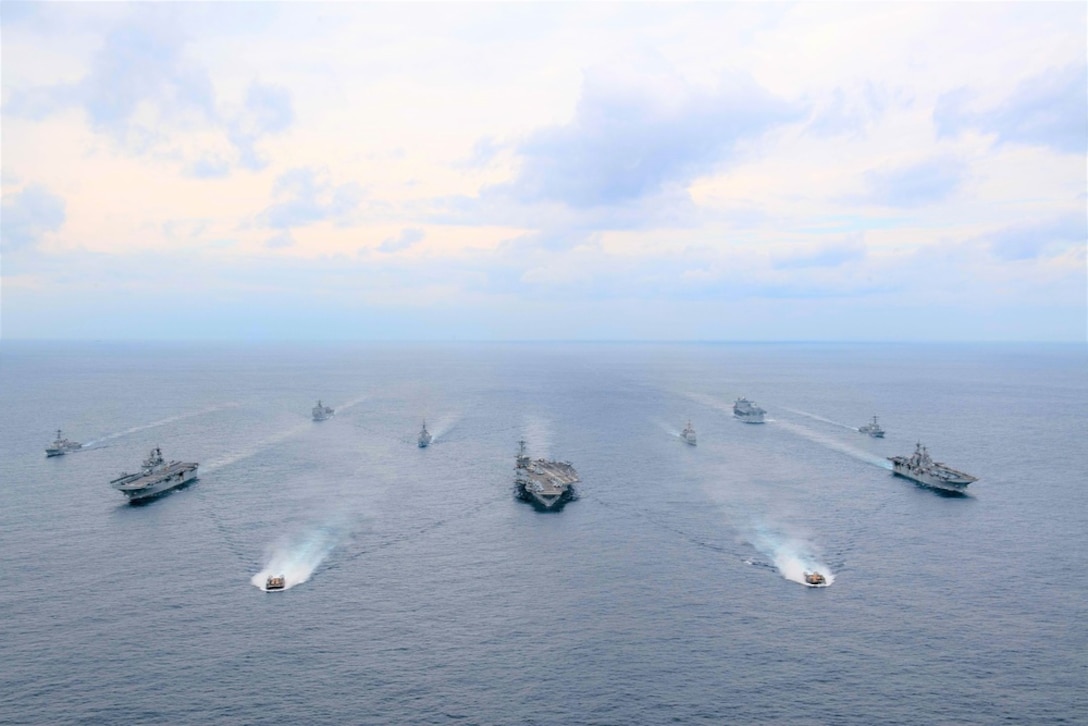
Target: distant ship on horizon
x=61, y=446
x=873, y=429
x=425, y=437
x=747, y=411
x=321, y=412
x=688, y=434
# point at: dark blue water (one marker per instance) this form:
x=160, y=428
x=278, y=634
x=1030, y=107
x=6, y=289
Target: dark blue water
x=422, y=592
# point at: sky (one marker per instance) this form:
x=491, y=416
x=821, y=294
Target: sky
x=553, y=171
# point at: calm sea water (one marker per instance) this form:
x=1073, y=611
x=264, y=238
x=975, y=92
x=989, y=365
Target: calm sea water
x=422, y=592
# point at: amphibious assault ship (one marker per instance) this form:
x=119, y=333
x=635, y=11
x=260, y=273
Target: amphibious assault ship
x=924, y=470
x=544, y=484
x=322, y=412
x=61, y=446
x=688, y=434
x=155, y=477
x=424, y=436
x=873, y=429
x=747, y=411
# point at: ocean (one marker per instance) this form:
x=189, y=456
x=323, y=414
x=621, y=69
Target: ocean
x=421, y=592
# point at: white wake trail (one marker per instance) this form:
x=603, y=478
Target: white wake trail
x=160, y=422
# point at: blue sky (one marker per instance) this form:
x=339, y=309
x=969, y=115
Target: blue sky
x=705, y=171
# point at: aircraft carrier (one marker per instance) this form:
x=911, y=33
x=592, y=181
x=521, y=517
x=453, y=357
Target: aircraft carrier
x=155, y=477
x=545, y=484
x=924, y=470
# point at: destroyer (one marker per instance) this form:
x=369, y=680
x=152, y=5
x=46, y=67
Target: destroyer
x=61, y=446
x=688, y=434
x=873, y=429
x=924, y=470
x=155, y=477
x=424, y=436
x=747, y=411
x=545, y=484
x=322, y=412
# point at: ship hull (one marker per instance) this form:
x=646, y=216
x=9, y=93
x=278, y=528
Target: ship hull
x=753, y=419
x=544, y=503
x=948, y=485
x=157, y=489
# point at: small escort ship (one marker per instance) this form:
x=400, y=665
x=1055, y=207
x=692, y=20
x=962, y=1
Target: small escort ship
x=747, y=411
x=155, y=477
x=688, y=434
x=424, y=436
x=544, y=484
x=62, y=446
x=872, y=428
x=321, y=412
x=275, y=582
x=924, y=470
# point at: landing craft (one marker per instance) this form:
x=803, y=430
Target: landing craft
x=276, y=582
x=815, y=579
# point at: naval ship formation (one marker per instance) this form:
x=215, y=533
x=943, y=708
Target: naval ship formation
x=924, y=470
x=155, y=477
x=544, y=484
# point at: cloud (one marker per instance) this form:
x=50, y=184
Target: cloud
x=29, y=214
x=851, y=111
x=632, y=138
x=1038, y=239
x=914, y=185
x=279, y=241
x=406, y=239
x=142, y=86
x=307, y=196
x=1050, y=109
x=267, y=110
x=831, y=255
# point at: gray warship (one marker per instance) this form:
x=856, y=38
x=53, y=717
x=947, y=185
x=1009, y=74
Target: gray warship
x=747, y=411
x=424, y=436
x=322, y=412
x=62, y=446
x=924, y=470
x=688, y=434
x=873, y=429
x=544, y=484
x=155, y=477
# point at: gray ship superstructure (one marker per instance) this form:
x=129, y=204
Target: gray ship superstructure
x=873, y=429
x=424, y=436
x=545, y=484
x=921, y=468
x=747, y=411
x=62, y=446
x=155, y=477
x=688, y=434
x=322, y=412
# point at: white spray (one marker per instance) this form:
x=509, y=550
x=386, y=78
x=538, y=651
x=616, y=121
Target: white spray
x=792, y=557
x=297, y=557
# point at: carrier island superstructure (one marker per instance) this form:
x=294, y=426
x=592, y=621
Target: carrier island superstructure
x=544, y=484
x=155, y=477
